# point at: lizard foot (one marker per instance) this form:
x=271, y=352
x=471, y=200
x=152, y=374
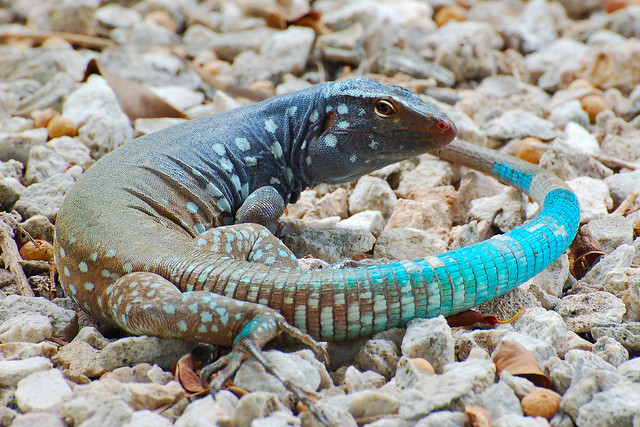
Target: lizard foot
x=249, y=342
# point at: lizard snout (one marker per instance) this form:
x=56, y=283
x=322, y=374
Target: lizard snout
x=447, y=128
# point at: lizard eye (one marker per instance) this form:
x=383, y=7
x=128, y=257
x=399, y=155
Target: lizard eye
x=384, y=108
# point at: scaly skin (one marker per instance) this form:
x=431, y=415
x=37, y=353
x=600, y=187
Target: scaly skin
x=145, y=240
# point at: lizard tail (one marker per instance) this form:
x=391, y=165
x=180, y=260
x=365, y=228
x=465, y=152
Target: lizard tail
x=345, y=304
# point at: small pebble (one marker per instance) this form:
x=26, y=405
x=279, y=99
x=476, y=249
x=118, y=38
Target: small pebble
x=594, y=105
x=61, y=126
x=448, y=13
x=541, y=403
x=163, y=19
x=530, y=149
x=39, y=250
x=43, y=118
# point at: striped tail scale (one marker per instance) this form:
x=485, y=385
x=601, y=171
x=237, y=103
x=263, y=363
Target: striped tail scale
x=337, y=305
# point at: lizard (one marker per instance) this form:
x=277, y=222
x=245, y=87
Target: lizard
x=170, y=234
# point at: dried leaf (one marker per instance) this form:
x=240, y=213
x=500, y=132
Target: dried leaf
x=514, y=358
x=136, y=100
x=312, y=19
x=472, y=318
x=613, y=5
x=187, y=377
x=584, y=253
x=477, y=416
x=236, y=390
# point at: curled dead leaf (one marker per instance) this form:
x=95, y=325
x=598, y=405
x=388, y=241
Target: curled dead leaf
x=471, y=318
x=584, y=253
x=187, y=376
x=136, y=100
x=477, y=416
x=514, y=358
x=37, y=250
x=301, y=407
x=474, y=318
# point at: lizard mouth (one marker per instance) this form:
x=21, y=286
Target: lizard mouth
x=440, y=132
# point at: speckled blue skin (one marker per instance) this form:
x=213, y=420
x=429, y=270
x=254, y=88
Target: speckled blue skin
x=145, y=239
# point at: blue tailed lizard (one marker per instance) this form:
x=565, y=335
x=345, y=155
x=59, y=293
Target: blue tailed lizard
x=161, y=236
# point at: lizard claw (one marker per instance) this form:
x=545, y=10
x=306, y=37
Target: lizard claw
x=227, y=366
x=248, y=343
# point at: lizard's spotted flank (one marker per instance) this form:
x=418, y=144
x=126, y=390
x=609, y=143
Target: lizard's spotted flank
x=178, y=225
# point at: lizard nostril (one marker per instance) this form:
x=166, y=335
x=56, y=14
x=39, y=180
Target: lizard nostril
x=447, y=126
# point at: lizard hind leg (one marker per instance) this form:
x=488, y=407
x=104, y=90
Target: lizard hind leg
x=248, y=242
x=144, y=303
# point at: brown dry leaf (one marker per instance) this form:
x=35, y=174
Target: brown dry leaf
x=187, y=377
x=584, y=253
x=613, y=5
x=236, y=390
x=471, y=318
x=136, y=100
x=312, y=19
x=477, y=416
x=514, y=358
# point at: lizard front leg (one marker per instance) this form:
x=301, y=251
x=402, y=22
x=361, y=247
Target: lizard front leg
x=264, y=206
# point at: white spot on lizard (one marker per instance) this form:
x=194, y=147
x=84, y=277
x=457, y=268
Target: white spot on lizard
x=330, y=140
x=270, y=125
x=242, y=143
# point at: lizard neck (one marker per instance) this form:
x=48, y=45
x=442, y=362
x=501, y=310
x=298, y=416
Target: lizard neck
x=295, y=122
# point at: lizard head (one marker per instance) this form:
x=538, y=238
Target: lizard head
x=364, y=125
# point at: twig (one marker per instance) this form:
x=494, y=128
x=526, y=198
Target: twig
x=486, y=233
x=74, y=39
x=626, y=204
x=612, y=162
x=230, y=89
x=52, y=277
x=11, y=256
x=35, y=267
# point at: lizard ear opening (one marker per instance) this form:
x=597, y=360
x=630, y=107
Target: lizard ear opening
x=329, y=118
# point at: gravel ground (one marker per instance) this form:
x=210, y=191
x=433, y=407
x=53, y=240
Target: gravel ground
x=554, y=82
